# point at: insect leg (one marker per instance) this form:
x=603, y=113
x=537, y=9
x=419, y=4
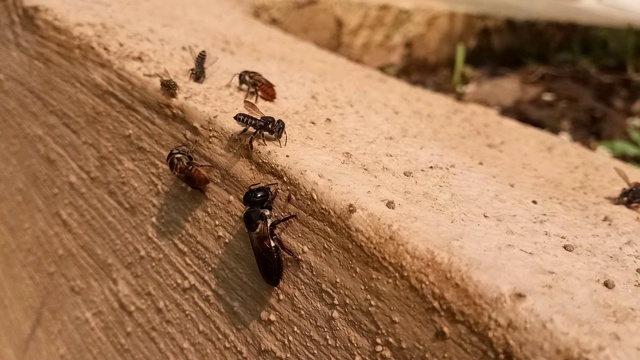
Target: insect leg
x=274, y=236
x=282, y=246
x=244, y=130
x=262, y=137
x=280, y=221
x=193, y=147
x=196, y=164
x=251, y=139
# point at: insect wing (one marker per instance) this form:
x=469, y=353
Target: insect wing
x=262, y=80
x=192, y=53
x=165, y=73
x=268, y=256
x=253, y=109
x=212, y=60
x=623, y=175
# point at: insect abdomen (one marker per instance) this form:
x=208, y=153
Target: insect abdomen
x=169, y=88
x=273, y=270
x=200, y=60
x=246, y=120
x=268, y=258
x=267, y=92
x=198, y=73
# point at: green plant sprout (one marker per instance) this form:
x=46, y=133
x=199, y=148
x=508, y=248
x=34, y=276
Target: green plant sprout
x=625, y=149
x=459, y=65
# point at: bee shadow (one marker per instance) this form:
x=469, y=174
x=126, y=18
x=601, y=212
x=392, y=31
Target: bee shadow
x=242, y=292
x=178, y=204
x=238, y=147
x=612, y=199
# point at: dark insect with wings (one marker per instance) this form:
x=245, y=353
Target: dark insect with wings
x=261, y=124
x=168, y=86
x=256, y=83
x=198, y=73
x=261, y=226
x=181, y=163
x=630, y=196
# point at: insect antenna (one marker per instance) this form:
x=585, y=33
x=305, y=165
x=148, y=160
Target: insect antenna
x=234, y=75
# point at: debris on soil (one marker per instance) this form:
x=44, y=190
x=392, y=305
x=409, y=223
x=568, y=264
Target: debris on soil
x=534, y=202
x=391, y=204
x=569, y=247
x=408, y=173
x=609, y=284
x=587, y=105
x=352, y=209
x=518, y=296
x=638, y=270
x=443, y=332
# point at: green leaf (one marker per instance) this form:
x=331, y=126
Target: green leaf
x=622, y=148
x=635, y=136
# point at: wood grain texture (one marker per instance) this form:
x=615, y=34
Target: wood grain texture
x=107, y=255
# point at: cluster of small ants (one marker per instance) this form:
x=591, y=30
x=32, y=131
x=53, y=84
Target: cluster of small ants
x=258, y=200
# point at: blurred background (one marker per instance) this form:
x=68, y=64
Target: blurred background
x=570, y=67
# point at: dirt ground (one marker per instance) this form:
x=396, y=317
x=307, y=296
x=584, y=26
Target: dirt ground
x=457, y=248
x=574, y=80
x=587, y=108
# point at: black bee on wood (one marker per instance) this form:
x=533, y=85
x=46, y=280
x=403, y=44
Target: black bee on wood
x=182, y=164
x=261, y=124
x=257, y=84
x=198, y=73
x=168, y=86
x=629, y=196
x=266, y=244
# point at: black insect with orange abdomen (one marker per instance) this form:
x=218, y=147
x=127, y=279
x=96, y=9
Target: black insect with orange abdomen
x=256, y=83
x=182, y=164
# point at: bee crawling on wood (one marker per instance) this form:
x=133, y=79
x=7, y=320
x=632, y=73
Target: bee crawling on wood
x=168, y=86
x=630, y=196
x=261, y=124
x=261, y=226
x=198, y=73
x=257, y=84
x=181, y=163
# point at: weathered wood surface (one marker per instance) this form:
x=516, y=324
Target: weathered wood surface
x=106, y=255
